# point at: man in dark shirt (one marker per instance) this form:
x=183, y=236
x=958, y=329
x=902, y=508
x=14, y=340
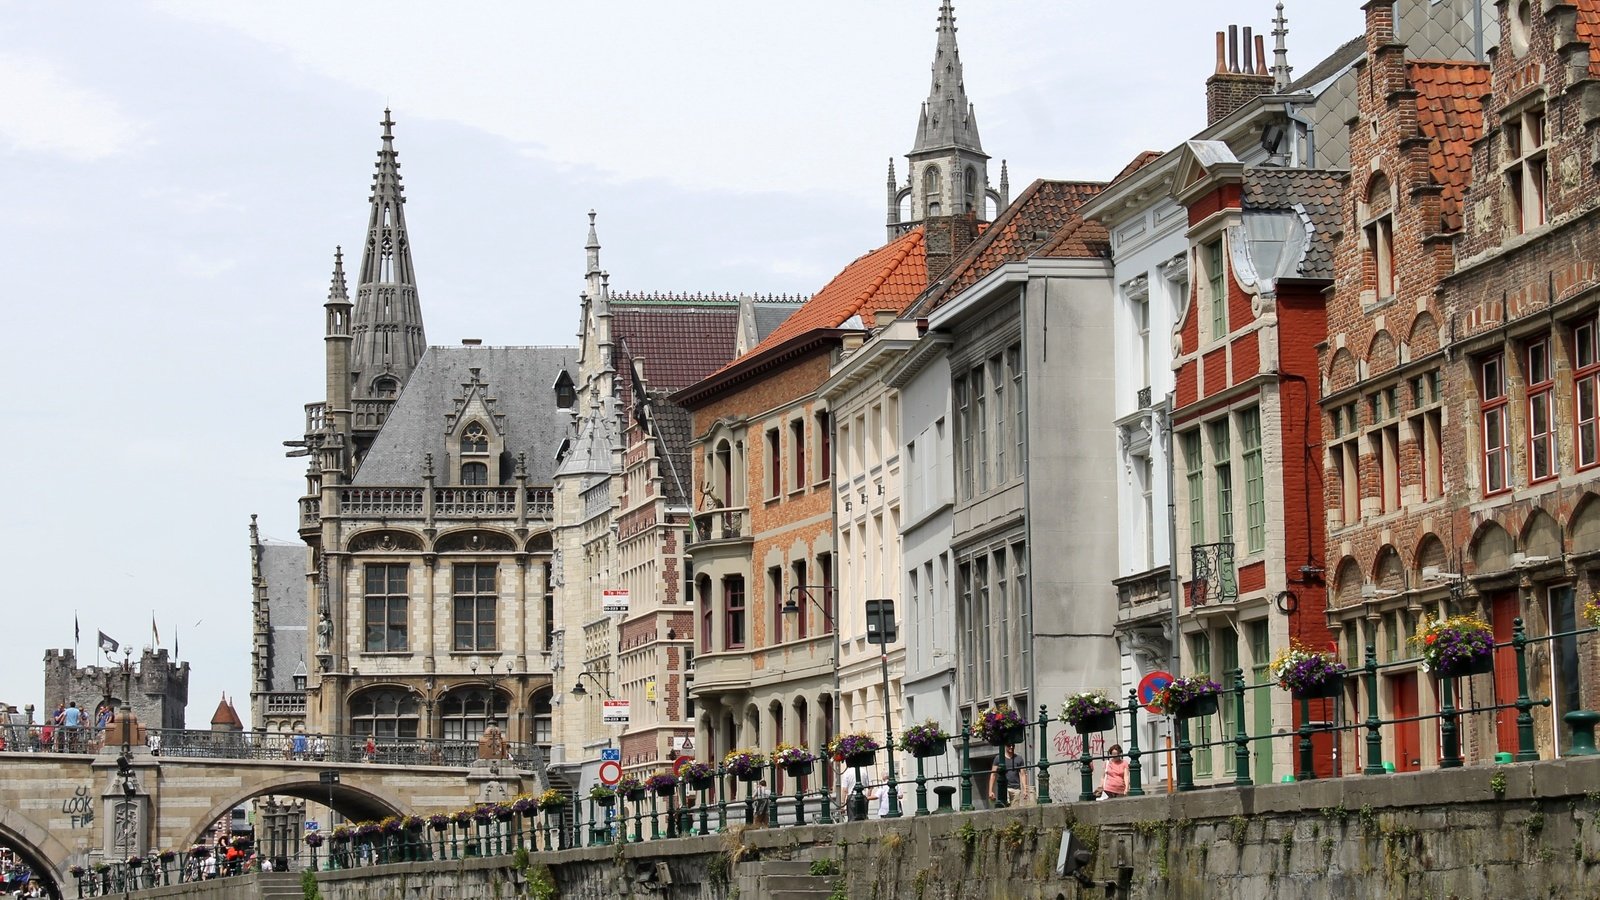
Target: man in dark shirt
x=1012, y=790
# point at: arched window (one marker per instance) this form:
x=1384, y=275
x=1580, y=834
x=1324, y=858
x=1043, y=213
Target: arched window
x=724, y=483
x=969, y=190
x=464, y=713
x=474, y=439
x=384, y=713
x=930, y=189
x=474, y=473
x=385, y=388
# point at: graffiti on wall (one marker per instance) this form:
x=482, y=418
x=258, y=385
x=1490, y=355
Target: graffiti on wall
x=79, y=808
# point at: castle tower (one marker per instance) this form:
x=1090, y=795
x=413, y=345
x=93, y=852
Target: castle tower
x=948, y=172
x=386, y=327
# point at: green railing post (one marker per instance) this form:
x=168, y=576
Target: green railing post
x=1044, y=755
x=1451, y=758
x=1241, y=748
x=1185, y=756
x=722, y=799
x=655, y=821
x=1085, y=770
x=750, y=801
x=1135, y=769
x=705, y=828
x=966, y=763
x=638, y=822
x=1526, y=751
x=858, y=799
x=922, y=790
x=1307, y=757
x=827, y=795
x=1374, y=737
x=799, y=799
x=594, y=829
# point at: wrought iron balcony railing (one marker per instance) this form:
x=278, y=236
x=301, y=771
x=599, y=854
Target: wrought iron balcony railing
x=1213, y=578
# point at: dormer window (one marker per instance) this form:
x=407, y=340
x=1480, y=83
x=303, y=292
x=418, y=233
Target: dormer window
x=474, y=440
x=385, y=388
x=566, y=392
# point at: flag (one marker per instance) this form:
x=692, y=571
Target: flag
x=155, y=636
x=77, y=633
x=107, y=644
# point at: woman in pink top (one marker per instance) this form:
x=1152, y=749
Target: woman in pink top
x=1115, y=782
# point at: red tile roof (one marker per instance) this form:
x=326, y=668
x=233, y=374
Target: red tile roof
x=1588, y=28
x=1143, y=159
x=1450, y=97
x=225, y=715
x=1043, y=220
x=888, y=278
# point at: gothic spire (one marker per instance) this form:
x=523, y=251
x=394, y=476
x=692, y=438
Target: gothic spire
x=948, y=119
x=593, y=247
x=1280, y=53
x=337, y=294
x=387, y=324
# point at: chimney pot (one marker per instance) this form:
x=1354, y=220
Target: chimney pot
x=1233, y=48
x=1261, y=55
x=1222, y=53
x=1249, y=62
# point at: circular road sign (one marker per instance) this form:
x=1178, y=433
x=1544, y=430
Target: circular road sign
x=610, y=772
x=679, y=763
x=1148, y=686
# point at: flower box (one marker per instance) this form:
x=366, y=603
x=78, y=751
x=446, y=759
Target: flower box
x=745, y=765
x=924, y=740
x=702, y=783
x=662, y=783
x=635, y=795
x=1097, y=722
x=797, y=769
x=1006, y=737
x=1482, y=664
x=999, y=725
x=1331, y=686
x=1459, y=645
x=1203, y=705
x=855, y=749
x=606, y=802
x=861, y=760
x=936, y=748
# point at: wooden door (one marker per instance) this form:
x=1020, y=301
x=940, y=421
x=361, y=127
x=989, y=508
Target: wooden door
x=1505, y=608
x=1407, y=735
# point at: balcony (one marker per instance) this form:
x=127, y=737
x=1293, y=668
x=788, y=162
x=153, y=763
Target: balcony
x=448, y=503
x=368, y=415
x=474, y=502
x=1214, y=581
x=1144, y=397
x=722, y=525
x=286, y=703
x=729, y=671
x=314, y=417
x=310, y=512
x=381, y=502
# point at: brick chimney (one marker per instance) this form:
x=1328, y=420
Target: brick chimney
x=1237, y=80
x=944, y=238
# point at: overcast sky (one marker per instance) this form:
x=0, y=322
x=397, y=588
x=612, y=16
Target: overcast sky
x=174, y=177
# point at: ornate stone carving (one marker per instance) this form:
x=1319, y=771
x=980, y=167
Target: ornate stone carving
x=475, y=542
x=386, y=542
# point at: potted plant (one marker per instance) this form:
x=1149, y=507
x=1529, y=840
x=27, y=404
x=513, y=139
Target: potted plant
x=1189, y=697
x=524, y=804
x=414, y=823
x=199, y=851
x=551, y=800
x=796, y=761
x=630, y=788
x=745, y=765
x=855, y=750
x=1089, y=712
x=439, y=822
x=1459, y=645
x=662, y=783
x=999, y=725
x=699, y=775
x=602, y=795
x=313, y=839
x=925, y=740
x=503, y=812
x=1308, y=674
x=1591, y=610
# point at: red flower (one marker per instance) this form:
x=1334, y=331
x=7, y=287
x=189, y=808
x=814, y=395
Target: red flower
x=1431, y=638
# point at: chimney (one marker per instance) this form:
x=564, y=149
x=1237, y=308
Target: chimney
x=1238, y=79
x=945, y=237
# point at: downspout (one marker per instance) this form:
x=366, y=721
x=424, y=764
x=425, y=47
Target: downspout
x=1293, y=114
x=1175, y=586
x=1027, y=486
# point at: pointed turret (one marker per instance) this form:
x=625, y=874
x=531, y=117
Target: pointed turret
x=948, y=174
x=1280, y=52
x=336, y=345
x=387, y=324
x=948, y=119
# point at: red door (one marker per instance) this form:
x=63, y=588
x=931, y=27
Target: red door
x=1407, y=735
x=1504, y=609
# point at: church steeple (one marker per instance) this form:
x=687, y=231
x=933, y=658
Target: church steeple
x=387, y=324
x=948, y=175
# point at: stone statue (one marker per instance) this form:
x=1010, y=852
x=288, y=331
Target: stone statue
x=126, y=828
x=324, y=634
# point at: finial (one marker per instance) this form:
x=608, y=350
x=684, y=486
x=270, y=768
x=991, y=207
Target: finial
x=336, y=290
x=388, y=125
x=1280, y=52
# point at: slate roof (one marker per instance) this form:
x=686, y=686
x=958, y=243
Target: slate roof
x=1450, y=97
x=1309, y=192
x=283, y=568
x=519, y=379
x=1346, y=53
x=888, y=278
x=675, y=429
x=1042, y=220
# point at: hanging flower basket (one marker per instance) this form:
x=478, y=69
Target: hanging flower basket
x=1459, y=645
x=1308, y=674
x=1089, y=712
x=439, y=821
x=925, y=740
x=551, y=800
x=630, y=788
x=313, y=839
x=745, y=765
x=662, y=783
x=796, y=761
x=1190, y=697
x=856, y=750
x=999, y=725
x=602, y=795
x=699, y=775
x=414, y=823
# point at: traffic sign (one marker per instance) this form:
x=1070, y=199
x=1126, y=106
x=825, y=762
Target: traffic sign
x=613, y=754
x=610, y=772
x=311, y=824
x=1148, y=686
x=679, y=763
x=616, y=712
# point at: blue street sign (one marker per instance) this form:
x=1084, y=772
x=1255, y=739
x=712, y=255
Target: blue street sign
x=611, y=754
x=311, y=824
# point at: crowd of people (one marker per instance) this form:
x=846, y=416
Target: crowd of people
x=69, y=729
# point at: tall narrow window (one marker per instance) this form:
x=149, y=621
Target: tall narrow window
x=797, y=440
x=1140, y=307
x=1228, y=660
x=474, y=601
x=824, y=446
x=733, y=606
x=1222, y=477
x=1542, y=462
x=775, y=600
x=930, y=190
x=825, y=578
x=1427, y=434
x=474, y=473
x=707, y=612
x=969, y=190
x=1255, y=495
x=1200, y=664
x=963, y=405
x=1216, y=285
x=1379, y=238
x=1004, y=623
x=1014, y=368
x=774, y=463
x=985, y=620
x=969, y=647
x=1193, y=463
x=1024, y=605
x=386, y=602
x=1002, y=415
x=980, y=421
x=1525, y=176
x=1492, y=420
x=803, y=614
x=1586, y=393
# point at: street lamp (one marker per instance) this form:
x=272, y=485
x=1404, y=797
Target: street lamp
x=578, y=690
x=494, y=681
x=791, y=607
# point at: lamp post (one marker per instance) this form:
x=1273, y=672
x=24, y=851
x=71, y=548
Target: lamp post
x=494, y=682
x=791, y=607
x=578, y=690
x=881, y=631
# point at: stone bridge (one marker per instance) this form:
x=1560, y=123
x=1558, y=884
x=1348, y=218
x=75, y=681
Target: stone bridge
x=64, y=809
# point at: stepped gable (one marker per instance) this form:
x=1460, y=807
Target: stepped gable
x=1043, y=210
x=519, y=379
x=1450, y=98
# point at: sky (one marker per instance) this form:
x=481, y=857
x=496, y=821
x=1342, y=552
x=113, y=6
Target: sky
x=175, y=175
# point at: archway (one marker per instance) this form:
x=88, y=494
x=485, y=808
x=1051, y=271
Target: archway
x=47, y=857
x=356, y=803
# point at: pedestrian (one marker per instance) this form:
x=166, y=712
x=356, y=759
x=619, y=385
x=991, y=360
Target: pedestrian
x=298, y=745
x=370, y=751
x=319, y=747
x=883, y=798
x=71, y=721
x=1008, y=781
x=1115, y=781
x=153, y=741
x=847, y=792
x=763, y=800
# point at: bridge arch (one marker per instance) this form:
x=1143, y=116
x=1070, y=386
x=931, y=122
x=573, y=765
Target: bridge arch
x=44, y=854
x=356, y=801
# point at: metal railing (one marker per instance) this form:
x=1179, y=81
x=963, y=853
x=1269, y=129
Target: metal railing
x=171, y=743
x=726, y=524
x=1213, y=579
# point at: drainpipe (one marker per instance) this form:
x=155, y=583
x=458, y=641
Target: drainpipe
x=1175, y=584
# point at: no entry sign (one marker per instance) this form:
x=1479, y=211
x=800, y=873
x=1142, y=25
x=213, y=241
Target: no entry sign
x=610, y=772
x=1148, y=686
